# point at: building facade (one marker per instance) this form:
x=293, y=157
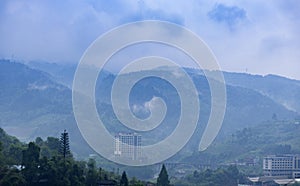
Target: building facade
x=282, y=166
x=128, y=146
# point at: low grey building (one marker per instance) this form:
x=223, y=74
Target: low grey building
x=287, y=166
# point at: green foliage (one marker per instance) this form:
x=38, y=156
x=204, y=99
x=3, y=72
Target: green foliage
x=135, y=182
x=50, y=147
x=144, y=173
x=225, y=177
x=11, y=177
x=251, y=145
x=11, y=149
x=91, y=178
x=163, y=177
x=30, y=162
x=43, y=165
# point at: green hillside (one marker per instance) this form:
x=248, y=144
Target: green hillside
x=250, y=145
x=34, y=104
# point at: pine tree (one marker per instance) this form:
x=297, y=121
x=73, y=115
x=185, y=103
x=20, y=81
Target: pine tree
x=163, y=178
x=64, y=144
x=124, y=180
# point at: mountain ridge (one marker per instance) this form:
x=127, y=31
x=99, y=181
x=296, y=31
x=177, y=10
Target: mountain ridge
x=45, y=111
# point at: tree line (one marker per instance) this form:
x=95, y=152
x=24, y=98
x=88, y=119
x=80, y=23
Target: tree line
x=50, y=162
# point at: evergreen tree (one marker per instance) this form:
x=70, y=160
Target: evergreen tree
x=124, y=180
x=64, y=144
x=163, y=178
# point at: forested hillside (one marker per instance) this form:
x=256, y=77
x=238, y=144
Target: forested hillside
x=44, y=163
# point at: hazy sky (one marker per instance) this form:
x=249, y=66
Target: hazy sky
x=261, y=37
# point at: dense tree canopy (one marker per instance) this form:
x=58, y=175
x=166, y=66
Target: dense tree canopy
x=42, y=163
x=229, y=176
x=47, y=163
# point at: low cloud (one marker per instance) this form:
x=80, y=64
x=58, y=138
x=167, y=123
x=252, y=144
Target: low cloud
x=260, y=36
x=144, y=110
x=230, y=15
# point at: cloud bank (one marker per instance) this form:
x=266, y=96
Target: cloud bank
x=246, y=36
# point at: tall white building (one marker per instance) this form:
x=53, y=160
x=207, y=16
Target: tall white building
x=284, y=165
x=128, y=145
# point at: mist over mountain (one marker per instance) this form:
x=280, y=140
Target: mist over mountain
x=62, y=73
x=34, y=102
x=282, y=90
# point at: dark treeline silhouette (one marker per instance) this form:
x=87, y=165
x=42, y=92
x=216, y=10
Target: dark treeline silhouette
x=50, y=162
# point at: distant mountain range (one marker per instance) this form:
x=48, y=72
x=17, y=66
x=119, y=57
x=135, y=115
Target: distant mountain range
x=36, y=100
x=33, y=104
